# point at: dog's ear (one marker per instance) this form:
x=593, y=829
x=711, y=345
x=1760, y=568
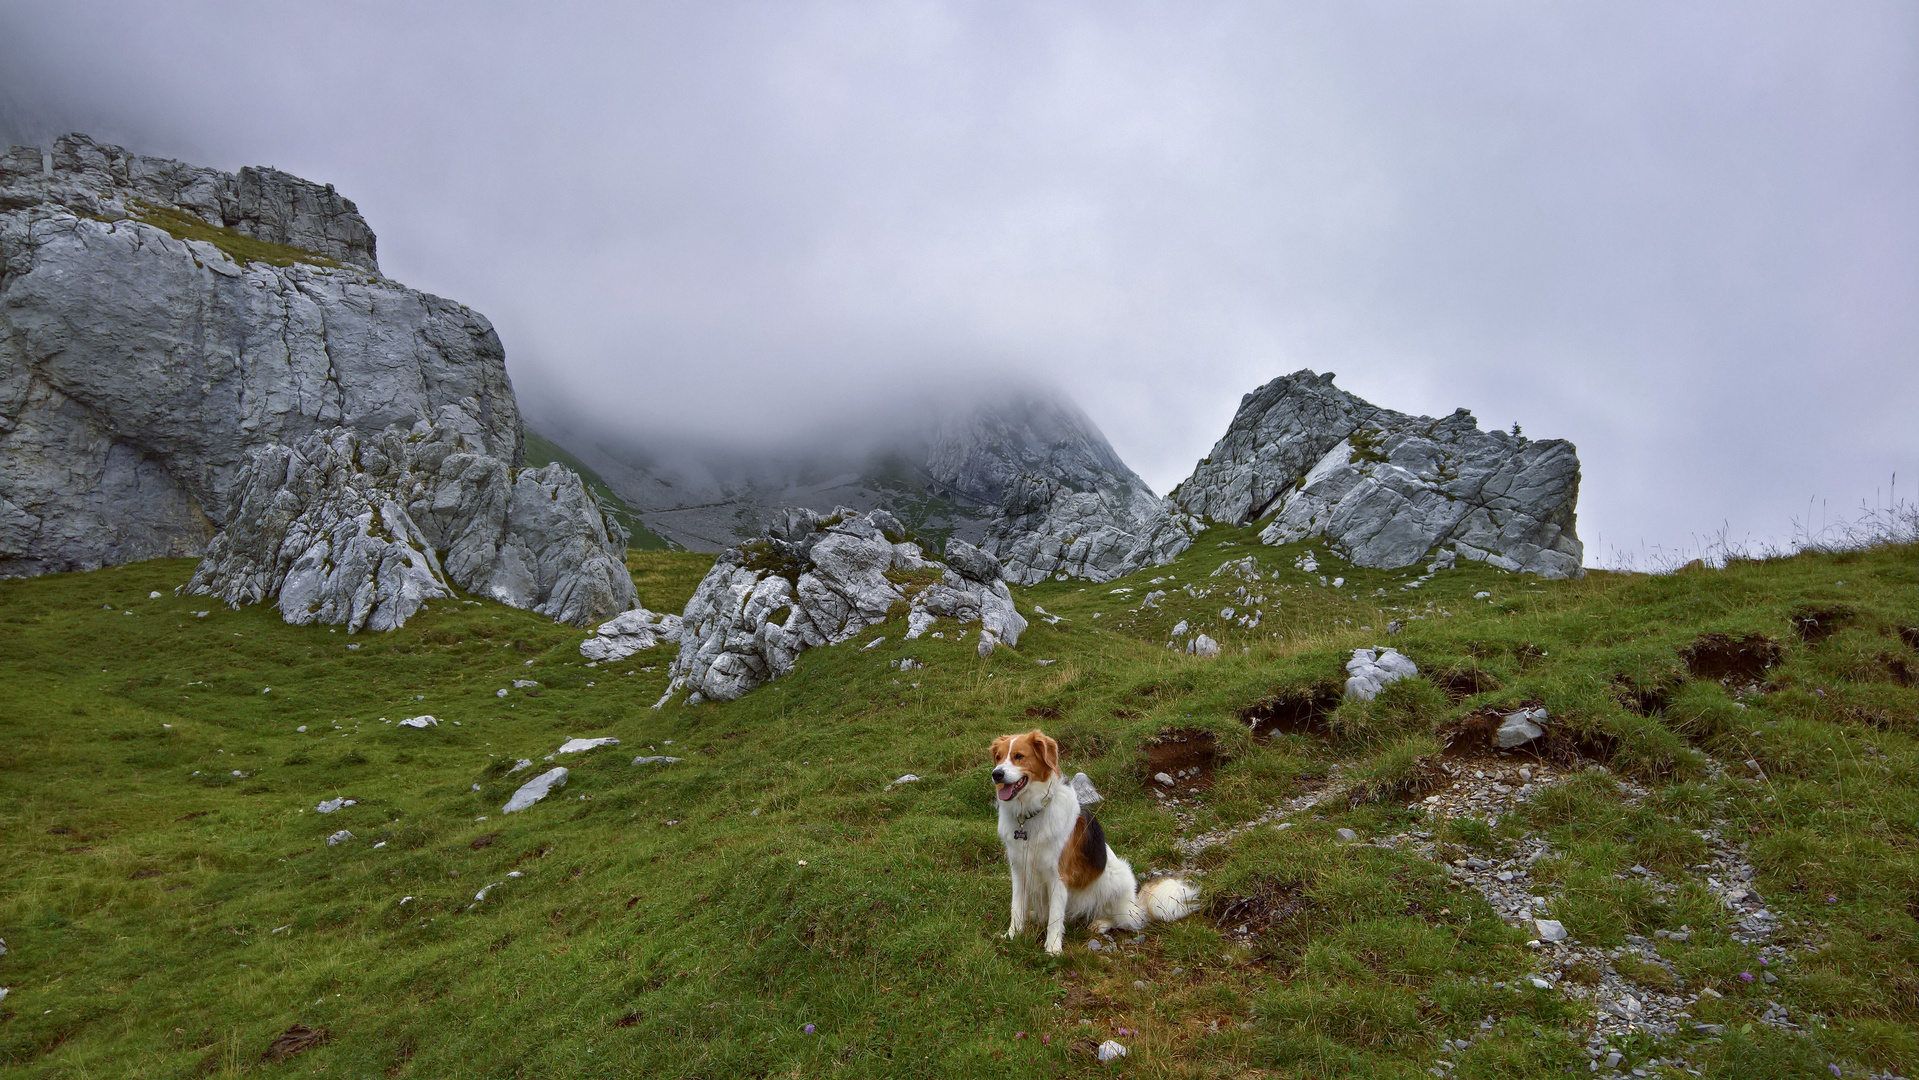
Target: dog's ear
x=1048, y=751
x=998, y=749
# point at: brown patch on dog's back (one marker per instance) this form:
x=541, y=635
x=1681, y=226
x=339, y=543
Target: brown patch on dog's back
x=1084, y=858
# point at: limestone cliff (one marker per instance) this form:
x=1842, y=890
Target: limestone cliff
x=162, y=324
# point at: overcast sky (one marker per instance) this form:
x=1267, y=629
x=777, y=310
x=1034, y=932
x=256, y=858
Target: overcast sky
x=1684, y=236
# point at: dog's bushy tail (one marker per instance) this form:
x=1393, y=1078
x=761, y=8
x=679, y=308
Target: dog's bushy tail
x=1167, y=899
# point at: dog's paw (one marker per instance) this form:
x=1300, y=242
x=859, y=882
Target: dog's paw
x=1055, y=948
x=1013, y=932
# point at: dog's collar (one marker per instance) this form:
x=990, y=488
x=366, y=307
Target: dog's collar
x=1019, y=832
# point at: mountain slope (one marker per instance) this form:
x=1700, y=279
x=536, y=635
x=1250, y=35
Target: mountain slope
x=774, y=903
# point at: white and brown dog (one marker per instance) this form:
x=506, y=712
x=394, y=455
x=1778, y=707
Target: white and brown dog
x=1061, y=865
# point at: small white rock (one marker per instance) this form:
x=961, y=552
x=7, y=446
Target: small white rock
x=534, y=790
x=1110, y=1050
x=1346, y=836
x=575, y=746
x=340, y=837
x=1550, y=929
x=420, y=722
x=656, y=760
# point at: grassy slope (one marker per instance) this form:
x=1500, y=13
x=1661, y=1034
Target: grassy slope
x=541, y=450
x=690, y=920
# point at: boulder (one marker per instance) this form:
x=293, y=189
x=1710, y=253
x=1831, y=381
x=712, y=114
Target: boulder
x=1047, y=529
x=1203, y=646
x=341, y=528
x=630, y=632
x=1369, y=671
x=820, y=579
x=1386, y=489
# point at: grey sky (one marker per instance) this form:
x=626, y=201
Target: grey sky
x=1685, y=236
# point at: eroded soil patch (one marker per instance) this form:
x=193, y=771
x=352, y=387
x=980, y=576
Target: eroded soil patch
x=1470, y=738
x=1188, y=756
x=1460, y=683
x=1291, y=712
x=1816, y=625
x=1728, y=659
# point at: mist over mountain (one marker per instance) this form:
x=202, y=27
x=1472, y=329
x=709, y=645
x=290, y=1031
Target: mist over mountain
x=942, y=462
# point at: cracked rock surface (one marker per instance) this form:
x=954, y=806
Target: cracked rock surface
x=1386, y=489
x=819, y=579
x=139, y=372
x=342, y=528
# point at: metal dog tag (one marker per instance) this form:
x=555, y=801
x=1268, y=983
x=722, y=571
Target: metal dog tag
x=1019, y=834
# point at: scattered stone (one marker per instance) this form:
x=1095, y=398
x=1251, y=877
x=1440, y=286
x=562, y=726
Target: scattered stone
x=535, y=789
x=630, y=632
x=1083, y=787
x=659, y=760
x=909, y=778
x=1549, y=929
x=331, y=805
x=419, y=722
x=484, y=889
x=1163, y=779
x=1520, y=728
x=1370, y=670
x=523, y=763
x=1203, y=647
x=575, y=746
x=1346, y=836
x=1110, y=1051
x=340, y=837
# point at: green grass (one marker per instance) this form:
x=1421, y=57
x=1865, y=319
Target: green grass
x=543, y=451
x=167, y=918
x=239, y=246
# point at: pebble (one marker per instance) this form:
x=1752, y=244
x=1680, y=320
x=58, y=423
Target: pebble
x=656, y=760
x=420, y=722
x=340, y=837
x=1110, y=1050
x=1346, y=836
x=575, y=746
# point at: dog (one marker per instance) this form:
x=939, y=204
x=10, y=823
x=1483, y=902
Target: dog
x=1061, y=866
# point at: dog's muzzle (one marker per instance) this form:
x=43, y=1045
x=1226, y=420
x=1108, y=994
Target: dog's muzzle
x=1006, y=790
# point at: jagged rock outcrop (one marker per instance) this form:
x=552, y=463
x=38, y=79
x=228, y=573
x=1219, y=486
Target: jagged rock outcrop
x=819, y=580
x=1386, y=489
x=1046, y=529
x=360, y=530
x=138, y=371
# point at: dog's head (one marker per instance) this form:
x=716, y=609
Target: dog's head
x=1022, y=759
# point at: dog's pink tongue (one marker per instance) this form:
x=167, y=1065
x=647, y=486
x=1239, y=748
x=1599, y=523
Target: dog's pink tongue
x=1006, y=791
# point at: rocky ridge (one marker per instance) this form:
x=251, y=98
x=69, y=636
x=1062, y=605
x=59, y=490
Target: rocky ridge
x=1386, y=489
x=820, y=579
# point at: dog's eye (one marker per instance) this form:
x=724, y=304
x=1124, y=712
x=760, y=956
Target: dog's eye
x=1016, y=757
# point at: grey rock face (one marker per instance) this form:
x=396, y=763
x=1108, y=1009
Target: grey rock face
x=265, y=204
x=1047, y=529
x=349, y=529
x=1386, y=489
x=819, y=580
x=138, y=372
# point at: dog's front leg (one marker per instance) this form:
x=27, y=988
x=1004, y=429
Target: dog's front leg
x=1055, y=915
x=1018, y=925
